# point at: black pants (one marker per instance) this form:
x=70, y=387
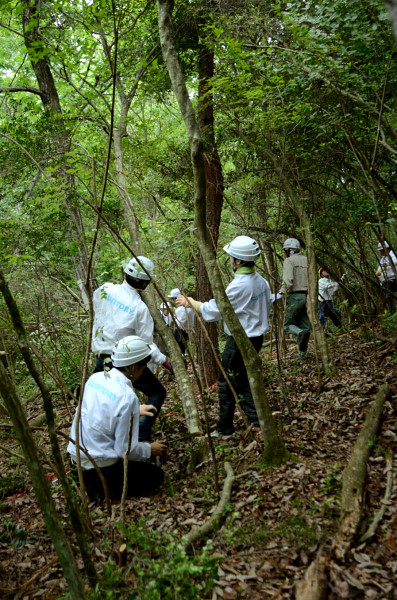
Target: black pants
x=143, y=478
x=181, y=336
x=389, y=288
x=151, y=387
x=233, y=364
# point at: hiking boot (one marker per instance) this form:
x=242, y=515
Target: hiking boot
x=219, y=434
x=303, y=340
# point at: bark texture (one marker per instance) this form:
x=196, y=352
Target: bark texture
x=74, y=513
x=59, y=136
x=41, y=487
x=354, y=477
x=274, y=450
x=214, y=202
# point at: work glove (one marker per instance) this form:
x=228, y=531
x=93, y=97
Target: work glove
x=344, y=276
x=169, y=368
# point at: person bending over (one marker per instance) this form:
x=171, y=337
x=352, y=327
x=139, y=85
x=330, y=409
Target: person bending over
x=108, y=403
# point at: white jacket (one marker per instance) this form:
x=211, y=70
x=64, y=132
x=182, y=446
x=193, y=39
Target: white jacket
x=386, y=262
x=326, y=289
x=120, y=311
x=108, y=402
x=250, y=296
x=184, y=318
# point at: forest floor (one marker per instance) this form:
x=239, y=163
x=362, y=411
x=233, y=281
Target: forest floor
x=276, y=520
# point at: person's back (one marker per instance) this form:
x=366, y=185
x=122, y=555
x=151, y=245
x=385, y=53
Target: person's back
x=120, y=312
x=249, y=294
x=117, y=309
x=326, y=288
x=295, y=273
x=108, y=401
x=295, y=285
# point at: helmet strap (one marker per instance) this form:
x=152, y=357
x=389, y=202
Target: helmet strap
x=235, y=266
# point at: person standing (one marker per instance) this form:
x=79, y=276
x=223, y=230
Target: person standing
x=108, y=403
x=250, y=297
x=387, y=274
x=295, y=285
x=165, y=313
x=326, y=290
x=184, y=318
x=119, y=311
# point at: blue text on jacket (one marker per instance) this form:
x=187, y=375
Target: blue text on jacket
x=255, y=298
x=102, y=390
x=119, y=304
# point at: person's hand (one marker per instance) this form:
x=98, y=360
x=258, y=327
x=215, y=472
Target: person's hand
x=158, y=448
x=182, y=301
x=147, y=410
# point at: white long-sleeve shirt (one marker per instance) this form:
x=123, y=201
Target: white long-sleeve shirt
x=250, y=296
x=108, y=402
x=326, y=289
x=386, y=262
x=120, y=311
x=184, y=318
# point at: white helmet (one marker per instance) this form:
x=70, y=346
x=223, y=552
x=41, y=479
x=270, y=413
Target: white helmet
x=174, y=293
x=165, y=305
x=135, y=270
x=383, y=246
x=130, y=350
x=291, y=244
x=243, y=247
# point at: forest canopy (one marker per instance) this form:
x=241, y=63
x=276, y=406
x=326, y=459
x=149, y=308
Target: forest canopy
x=166, y=129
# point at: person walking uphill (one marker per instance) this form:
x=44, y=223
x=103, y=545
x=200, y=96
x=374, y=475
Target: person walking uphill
x=250, y=297
x=295, y=285
x=119, y=311
x=387, y=274
x=326, y=308
x=108, y=402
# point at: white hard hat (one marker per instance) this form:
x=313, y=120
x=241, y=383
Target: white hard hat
x=174, y=293
x=134, y=269
x=243, y=247
x=165, y=305
x=383, y=246
x=130, y=350
x=291, y=244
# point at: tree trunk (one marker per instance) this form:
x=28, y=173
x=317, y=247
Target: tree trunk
x=274, y=450
x=354, y=477
x=214, y=200
x=41, y=487
x=185, y=387
x=318, y=331
x=36, y=49
x=74, y=514
x=126, y=202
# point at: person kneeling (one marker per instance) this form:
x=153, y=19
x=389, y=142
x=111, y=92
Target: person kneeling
x=108, y=402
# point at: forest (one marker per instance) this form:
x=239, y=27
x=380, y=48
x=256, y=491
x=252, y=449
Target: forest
x=166, y=129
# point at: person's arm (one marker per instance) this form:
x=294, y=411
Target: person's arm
x=138, y=451
x=144, y=327
x=157, y=448
x=288, y=276
x=147, y=410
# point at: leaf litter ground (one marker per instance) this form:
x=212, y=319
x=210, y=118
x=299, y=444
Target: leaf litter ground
x=278, y=518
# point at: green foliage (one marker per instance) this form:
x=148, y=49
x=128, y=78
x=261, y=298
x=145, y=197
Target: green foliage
x=10, y=483
x=160, y=569
x=11, y=534
x=332, y=483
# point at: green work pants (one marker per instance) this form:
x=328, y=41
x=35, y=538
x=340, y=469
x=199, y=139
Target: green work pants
x=296, y=317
